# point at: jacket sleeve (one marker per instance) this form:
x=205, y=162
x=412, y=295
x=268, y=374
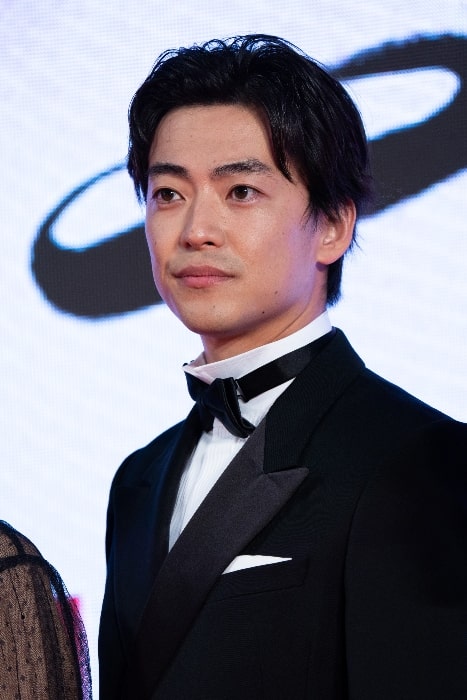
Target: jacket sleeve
x=406, y=574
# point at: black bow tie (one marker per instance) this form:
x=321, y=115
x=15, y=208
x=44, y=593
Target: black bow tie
x=220, y=398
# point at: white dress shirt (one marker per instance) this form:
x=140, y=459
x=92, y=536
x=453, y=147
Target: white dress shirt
x=216, y=449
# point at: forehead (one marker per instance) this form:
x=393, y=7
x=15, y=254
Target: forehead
x=214, y=133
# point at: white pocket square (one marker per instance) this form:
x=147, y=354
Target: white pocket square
x=246, y=561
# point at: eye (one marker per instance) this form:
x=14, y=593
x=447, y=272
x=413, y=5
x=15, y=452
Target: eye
x=243, y=193
x=165, y=195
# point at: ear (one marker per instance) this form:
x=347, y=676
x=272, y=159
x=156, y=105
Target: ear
x=335, y=236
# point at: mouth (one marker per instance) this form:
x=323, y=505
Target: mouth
x=201, y=276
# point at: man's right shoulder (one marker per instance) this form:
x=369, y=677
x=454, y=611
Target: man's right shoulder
x=137, y=464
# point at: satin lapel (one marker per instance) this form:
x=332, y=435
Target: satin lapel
x=240, y=504
x=141, y=548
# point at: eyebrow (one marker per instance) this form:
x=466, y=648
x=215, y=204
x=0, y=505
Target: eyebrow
x=250, y=165
x=167, y=169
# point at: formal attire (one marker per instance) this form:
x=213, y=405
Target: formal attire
x=325, y=558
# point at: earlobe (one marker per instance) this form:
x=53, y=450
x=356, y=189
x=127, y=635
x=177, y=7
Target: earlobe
x=336, y=236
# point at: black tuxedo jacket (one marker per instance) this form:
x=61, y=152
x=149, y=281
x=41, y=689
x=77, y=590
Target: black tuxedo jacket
x=363, y=488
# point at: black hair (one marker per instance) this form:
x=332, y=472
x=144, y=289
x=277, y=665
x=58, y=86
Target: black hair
x=314, y=124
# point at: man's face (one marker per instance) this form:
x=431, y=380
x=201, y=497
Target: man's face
x=234, y=253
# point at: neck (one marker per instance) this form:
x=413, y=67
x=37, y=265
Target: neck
x=223, y=348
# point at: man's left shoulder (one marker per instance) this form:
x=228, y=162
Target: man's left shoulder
x=418, y=494
x=440, y=443
x=428, y=468
x=370, y=394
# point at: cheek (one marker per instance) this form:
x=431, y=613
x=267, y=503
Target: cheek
x=160, y=283
x=154, y=255
x=288, y=262
x=158, y=275
x=151, y=256
x=149, y=238
x=155, y=249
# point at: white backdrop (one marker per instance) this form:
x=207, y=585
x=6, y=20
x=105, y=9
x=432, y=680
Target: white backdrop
x=79, y=392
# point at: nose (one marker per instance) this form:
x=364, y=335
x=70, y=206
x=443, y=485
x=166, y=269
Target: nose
x=203, y=225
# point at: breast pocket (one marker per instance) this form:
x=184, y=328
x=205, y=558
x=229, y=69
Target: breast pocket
x=260, y=579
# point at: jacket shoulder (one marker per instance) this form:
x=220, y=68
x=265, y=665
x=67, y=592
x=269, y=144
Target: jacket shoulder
x=135, y=466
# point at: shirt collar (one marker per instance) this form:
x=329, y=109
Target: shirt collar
x=240, y=365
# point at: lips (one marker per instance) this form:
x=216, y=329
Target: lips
x=200, y=276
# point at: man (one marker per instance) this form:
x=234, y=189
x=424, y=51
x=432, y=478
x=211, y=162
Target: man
x=309, y=540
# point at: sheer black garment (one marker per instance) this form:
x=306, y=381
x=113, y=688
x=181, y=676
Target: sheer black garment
x=43, y=645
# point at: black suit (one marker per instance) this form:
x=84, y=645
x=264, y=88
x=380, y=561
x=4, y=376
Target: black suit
x=364, y=488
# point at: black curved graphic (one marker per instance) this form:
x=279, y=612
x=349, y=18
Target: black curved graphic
x=111, y=277
x=410, y=160
x=114, y=277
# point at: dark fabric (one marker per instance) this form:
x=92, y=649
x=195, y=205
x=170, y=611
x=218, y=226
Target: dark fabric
x=220, y=398
x=186, y=576
x=372, y=604
x=43, y=646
